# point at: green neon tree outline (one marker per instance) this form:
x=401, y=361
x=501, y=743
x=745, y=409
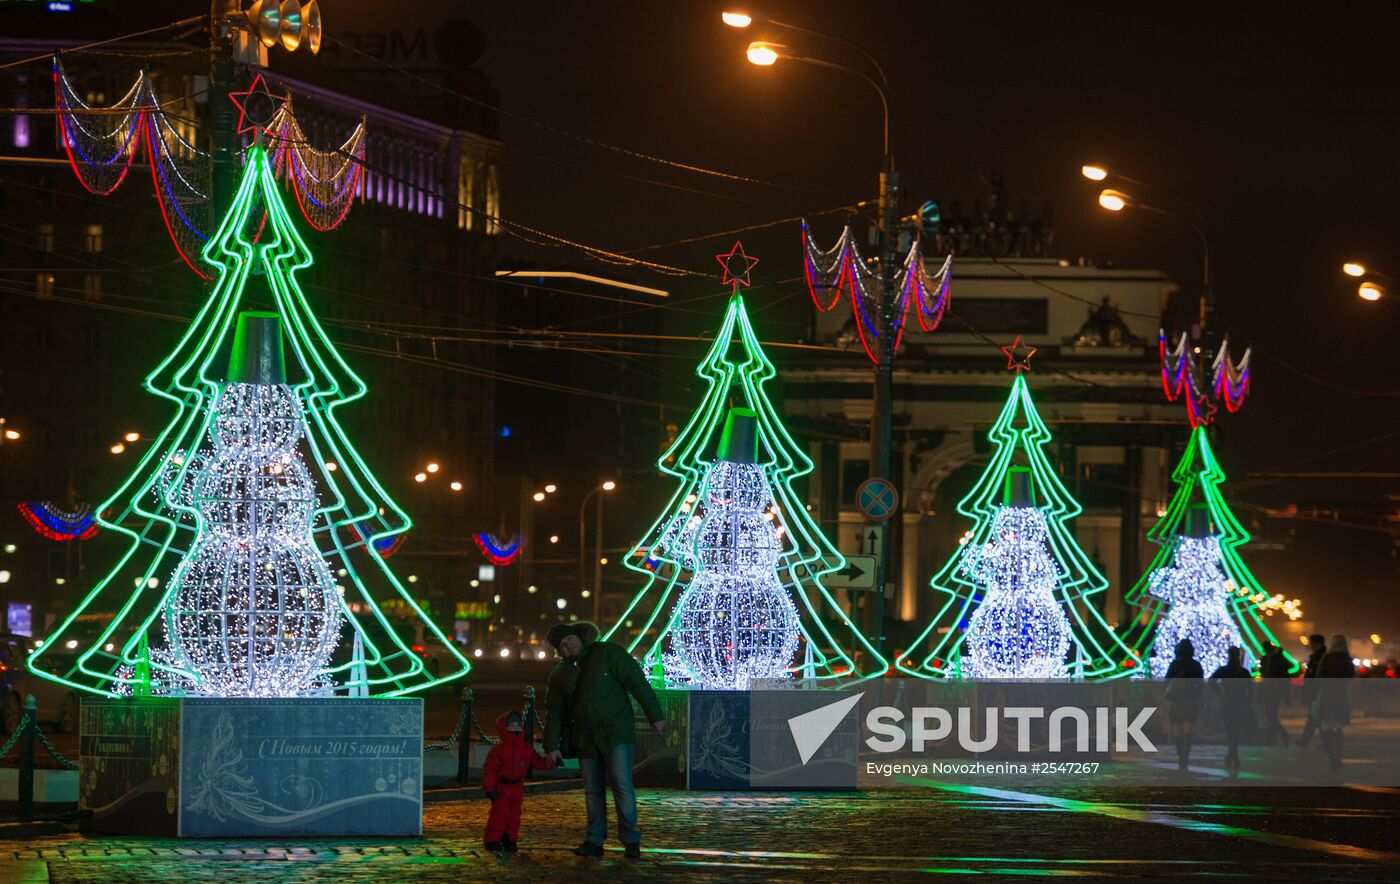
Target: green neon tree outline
x=1198, y=478
x=742, y=375
x=146, y=509
x=1102, y=653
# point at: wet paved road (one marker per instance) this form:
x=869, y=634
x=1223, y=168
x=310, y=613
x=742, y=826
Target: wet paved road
x=1338, y=834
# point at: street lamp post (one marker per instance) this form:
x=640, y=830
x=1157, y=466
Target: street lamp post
x=597, y=588
x=882, y=404
x=1210, y=373
x=1116, y=200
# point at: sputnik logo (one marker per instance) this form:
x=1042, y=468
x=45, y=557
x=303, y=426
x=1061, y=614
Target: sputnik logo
x=810, y=730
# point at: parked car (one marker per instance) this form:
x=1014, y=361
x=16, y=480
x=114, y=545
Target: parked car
x=57, y=703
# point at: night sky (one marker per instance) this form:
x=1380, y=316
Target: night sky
x=1279, y=122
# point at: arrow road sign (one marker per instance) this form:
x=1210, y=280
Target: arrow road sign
x=870, y=539
x=859, y=573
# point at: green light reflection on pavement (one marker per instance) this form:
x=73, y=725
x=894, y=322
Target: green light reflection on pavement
x=1116, y=811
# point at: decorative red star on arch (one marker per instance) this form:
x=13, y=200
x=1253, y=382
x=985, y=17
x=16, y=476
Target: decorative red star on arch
x=1018, y=356
x=737, y=266
x=257, y=106
x=1204, y=412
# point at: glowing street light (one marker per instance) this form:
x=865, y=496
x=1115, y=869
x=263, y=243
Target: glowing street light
x=420, y=477
x=1114, y=200
x=132, y=437
x=1370, y=291
x=1093, y=173
x=736, y=18
x=1354, y=268
x=117, y=449
x=455, y=486
x=12, y=435
x=763, y=54
x=609, y=485
x=432, y=467
x=551, y=488
x=538, y=496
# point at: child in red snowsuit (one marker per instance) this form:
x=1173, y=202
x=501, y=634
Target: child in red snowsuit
x=503, y=779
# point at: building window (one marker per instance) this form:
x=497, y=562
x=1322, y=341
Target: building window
x=493, y=199
x=853, y=473
x=20, y=131
x=43, y=284
x=94, y=238
x=92, y=286
x=46, y=239
x=464, y=198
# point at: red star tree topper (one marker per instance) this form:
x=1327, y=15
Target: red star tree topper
x=1018, y=356
x=737, y=266
x=257, y=105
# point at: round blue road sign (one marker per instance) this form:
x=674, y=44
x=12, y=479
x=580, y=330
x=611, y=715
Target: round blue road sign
x=877, y=498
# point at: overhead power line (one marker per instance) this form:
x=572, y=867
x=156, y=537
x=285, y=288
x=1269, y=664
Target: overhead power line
x=86, y=46
x=548, y=127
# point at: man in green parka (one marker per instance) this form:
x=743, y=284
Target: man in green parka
x=589, y=715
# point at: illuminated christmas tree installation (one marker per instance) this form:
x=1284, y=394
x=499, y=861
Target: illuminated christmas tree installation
x=735, y=621
x=1196, y=591
x=671, y=556
x=1200, y=537
x=212, y=473
x=973, y=577
x=1018, y=630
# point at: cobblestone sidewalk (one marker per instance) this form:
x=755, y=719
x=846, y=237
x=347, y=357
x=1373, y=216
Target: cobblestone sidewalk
x=1263, y=835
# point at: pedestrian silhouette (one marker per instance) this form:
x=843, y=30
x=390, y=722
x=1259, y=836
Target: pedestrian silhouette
x=1275, y=671
x=1232, y=681
x=1333, y=705
x=1185, y=679
x=1319, y=647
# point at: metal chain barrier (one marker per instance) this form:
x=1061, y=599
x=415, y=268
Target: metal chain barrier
x=38, y=732
x=465, y=721
x=14, y=736
x=54, y=753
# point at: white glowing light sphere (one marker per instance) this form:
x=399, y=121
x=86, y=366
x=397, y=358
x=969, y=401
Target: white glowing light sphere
x=1196, y=589
x=735, y=622
x=253, y=608
x=1019, y=630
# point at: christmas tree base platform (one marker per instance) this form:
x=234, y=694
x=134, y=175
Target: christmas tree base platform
x=233, y=767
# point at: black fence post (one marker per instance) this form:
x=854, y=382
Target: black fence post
x=26, y=759
x=464, y=738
